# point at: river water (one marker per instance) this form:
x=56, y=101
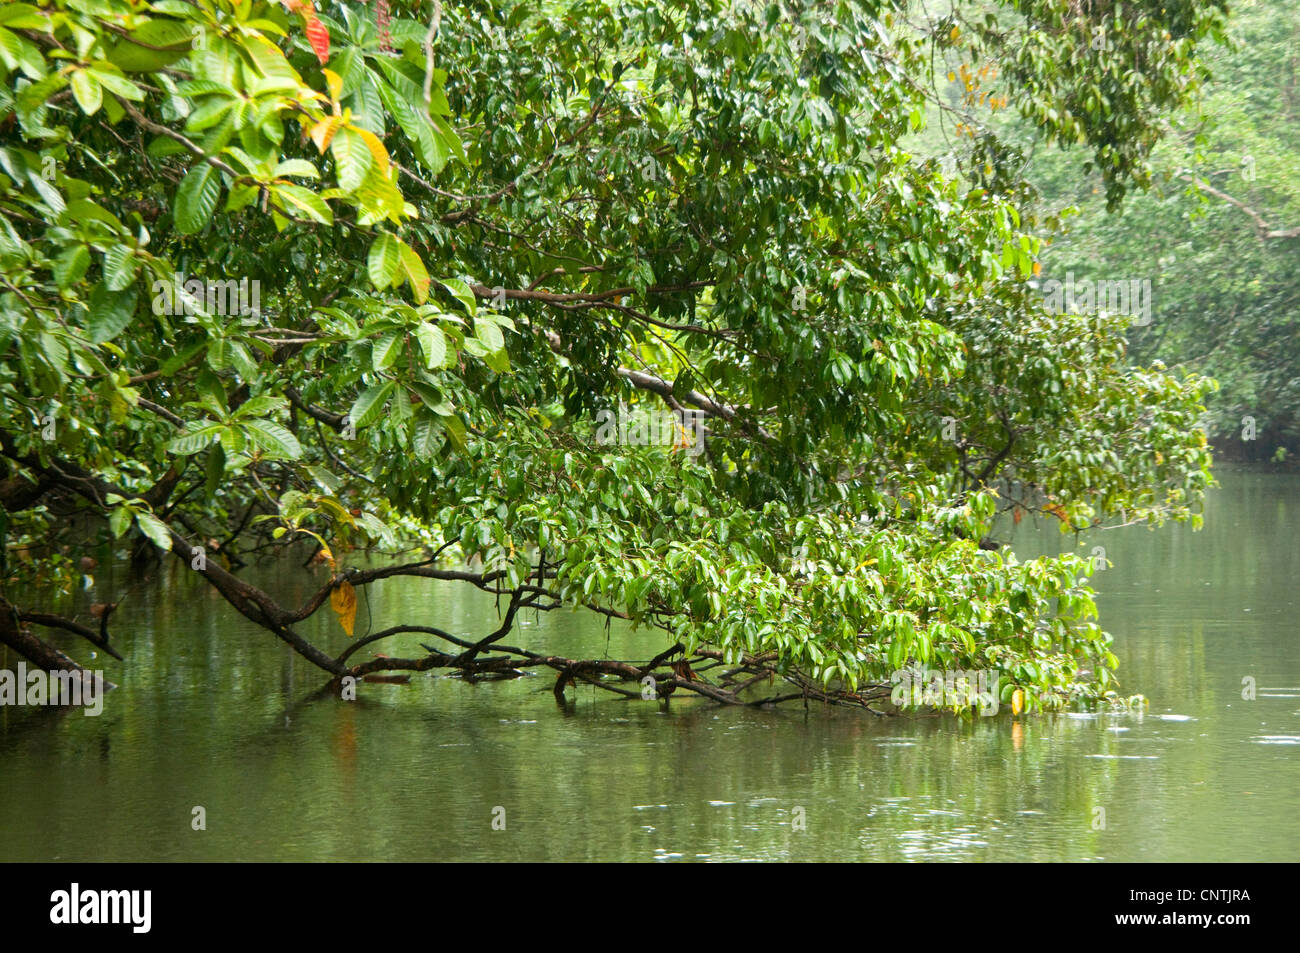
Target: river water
x=214, y=713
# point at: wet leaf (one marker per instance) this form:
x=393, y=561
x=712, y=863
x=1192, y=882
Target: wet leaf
x=343, y=600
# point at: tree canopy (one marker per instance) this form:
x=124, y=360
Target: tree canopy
x=348, y=280
x=1217, y=236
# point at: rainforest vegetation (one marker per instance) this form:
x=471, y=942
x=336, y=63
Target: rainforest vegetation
x=360, y=284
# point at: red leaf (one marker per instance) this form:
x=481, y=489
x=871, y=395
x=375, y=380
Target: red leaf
x=318, y=35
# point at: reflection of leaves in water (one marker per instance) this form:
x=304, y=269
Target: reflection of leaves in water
x=345, y=739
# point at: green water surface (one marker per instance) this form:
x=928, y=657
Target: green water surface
x=214, y=712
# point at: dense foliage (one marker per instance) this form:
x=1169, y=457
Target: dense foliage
x=1217, y=236
x=475, y=230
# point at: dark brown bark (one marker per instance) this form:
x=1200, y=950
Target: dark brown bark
x=18, y=493
x=260, y=608
x=39, y=653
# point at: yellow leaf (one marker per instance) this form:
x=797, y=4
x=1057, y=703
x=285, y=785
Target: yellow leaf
x=1017, y=697
x=335, y=83
x=376, y=148
x=343, y=600
x=323, y=132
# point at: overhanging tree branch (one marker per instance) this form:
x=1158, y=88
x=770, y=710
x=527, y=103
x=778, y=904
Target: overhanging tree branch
x=1263, y=229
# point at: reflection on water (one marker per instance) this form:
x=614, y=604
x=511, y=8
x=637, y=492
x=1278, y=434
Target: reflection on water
x=215, y=713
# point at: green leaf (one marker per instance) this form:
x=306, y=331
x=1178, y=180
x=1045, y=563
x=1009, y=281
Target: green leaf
x=116, y=84
x=241, y=196
x=119, y=521
x=386, y=349
x=214, y=470
x=432, y=398
x=164, y=146
x=210, y=112
x=242, y=361
x=488, y=332
x=299, y=167
x=232, y=441
x=181, y=358
x=369, y=404
x=155, y=529
x=432, y=152
x=401, y=409
x=414, y=271
x=87, y=92
x=192, y=441
x=352, y=159
x=456, y=431
x=164, y=42
x=463, y=293
x=434, y=343
x=383, y=261
x=306, y=202
x=499, y=361
x=119, y=267
x=329, y=481
x=273, y=438
x=23, y=16
x=196, y=198
x=211, y=391
x=376, y=528
x=109, y=312
x=260, y=406
x=428, y=436
x=71, y=266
